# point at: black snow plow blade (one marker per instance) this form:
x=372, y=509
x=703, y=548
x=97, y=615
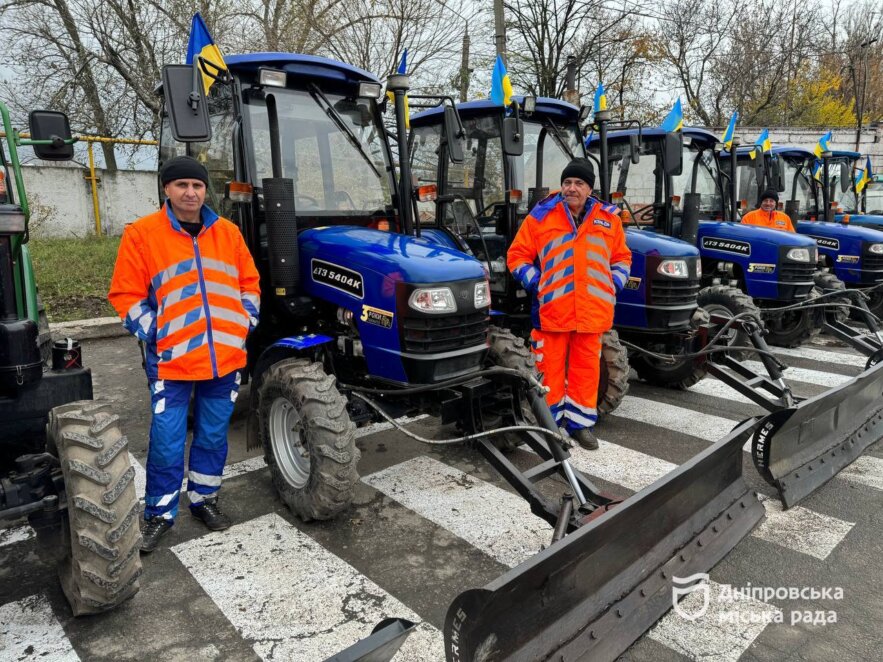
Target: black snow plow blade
x=591, y=594
x=384, y=642
x=800, y=448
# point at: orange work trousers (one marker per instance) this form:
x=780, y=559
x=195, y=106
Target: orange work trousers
x=570, y=365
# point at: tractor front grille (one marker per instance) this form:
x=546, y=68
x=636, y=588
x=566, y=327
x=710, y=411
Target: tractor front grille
x=672, y=292
x=872, y=262
x=797, y=272
x=444, y=333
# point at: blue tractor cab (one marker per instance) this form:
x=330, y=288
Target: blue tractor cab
x=676, y=189
x=851, y=253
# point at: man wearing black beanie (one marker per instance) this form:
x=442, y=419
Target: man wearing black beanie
x=186, y=286
x=767, y=215
x=570, y=256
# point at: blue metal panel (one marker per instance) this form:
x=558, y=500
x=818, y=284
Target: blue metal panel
x=303, y=342
x=554, y=108
x=864, y=220
x=842, y=244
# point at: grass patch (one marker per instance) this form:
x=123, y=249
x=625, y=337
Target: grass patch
x=73, y=276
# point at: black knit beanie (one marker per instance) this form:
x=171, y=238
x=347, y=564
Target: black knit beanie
x=769, y=193
x=182, y=167
x=582, y=169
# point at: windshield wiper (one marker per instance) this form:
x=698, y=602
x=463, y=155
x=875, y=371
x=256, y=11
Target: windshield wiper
x=316, y=93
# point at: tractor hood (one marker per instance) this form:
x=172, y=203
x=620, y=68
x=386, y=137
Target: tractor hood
x=648, y=242
x=752, y=234
x=413, y=260
x=841, y=231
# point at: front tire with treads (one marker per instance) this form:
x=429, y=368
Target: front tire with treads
x=613, y=380
x=102, y=566
x=308, y=438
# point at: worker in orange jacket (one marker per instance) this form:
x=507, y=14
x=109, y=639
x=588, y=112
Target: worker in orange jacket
x=768, y=216
x=185, y=284
x=570, y=255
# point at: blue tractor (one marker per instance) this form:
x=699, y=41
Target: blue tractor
x=482, y=202
x=364, y=316
x=676, y=189
x=848, y=253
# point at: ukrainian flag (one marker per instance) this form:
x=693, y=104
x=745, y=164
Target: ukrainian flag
x=501, y=86
x=727, y=138
x=817, y=171
x=763, y=142
x=600, y=98
x=863, y=177
x=822, y=145
x=403, y=69
x=674, y=121
x=202, y=45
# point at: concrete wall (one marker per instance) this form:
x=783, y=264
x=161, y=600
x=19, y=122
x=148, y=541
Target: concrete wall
x=61, y=200
x=870, y=140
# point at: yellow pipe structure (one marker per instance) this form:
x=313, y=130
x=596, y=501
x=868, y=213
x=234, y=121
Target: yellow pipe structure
x=92, y=178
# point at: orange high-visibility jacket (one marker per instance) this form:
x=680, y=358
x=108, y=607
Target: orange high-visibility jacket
x=193, y=300
x=573, y=273
x=776, y=220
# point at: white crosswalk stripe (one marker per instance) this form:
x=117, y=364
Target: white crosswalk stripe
x=29, y=630
x=16, y=534
x=817, y=377
x=292, y=598
x=824, y=356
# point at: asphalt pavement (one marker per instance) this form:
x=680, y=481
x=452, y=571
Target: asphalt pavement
x=429, y=522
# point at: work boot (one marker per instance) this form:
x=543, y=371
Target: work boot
x=154, y=529
x=585, y=438
x=210, y=515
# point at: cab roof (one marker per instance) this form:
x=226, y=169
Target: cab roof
x=553, y=108
x=304, y=65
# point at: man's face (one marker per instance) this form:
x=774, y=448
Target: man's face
x=575, y=192
x=186, y=196
x=768, y=204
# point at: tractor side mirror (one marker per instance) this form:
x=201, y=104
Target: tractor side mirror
x=673, y=154
x=186, y=103
x=634, y=148
x=454, y=134
x=54, y=126
x=780, y=174
x=513, y=136
x=845, y=177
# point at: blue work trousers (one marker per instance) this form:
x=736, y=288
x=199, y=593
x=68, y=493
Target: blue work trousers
x=213, y=405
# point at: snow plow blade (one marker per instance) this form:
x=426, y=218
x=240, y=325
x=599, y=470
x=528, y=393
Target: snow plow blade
x=800, y=448
x=594, y=592
x=381, y=646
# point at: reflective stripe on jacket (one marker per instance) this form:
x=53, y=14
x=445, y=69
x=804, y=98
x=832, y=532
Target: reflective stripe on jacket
x=193, y=300
x=573, y=273
x=776, y=220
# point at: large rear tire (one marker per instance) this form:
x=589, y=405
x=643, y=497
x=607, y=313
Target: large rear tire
x=613, y=382
x=681, y=375
x=102, y=566
x=728, y=302
x=308, y=438
x=509, y=351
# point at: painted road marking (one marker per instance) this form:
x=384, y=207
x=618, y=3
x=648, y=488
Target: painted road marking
x=293, y=599
x=867, y=470
x=723, y=633
x=493, y=520
x=16, y=534
x=823, y=356
x=30, y=631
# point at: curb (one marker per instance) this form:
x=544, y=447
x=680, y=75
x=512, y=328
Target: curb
x=91, y=329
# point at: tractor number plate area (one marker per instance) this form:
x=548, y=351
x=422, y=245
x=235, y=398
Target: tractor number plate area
x=590, y=595
x=799, y=449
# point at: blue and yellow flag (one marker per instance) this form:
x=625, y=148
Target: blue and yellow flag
x=402, y=69
x=674, y=121
x=501, y=86
x=727, y=138
x=822, y=145
x=762, y=144
x=863, y=176
x=817, y=171
x=202, y=45
x=600, y=98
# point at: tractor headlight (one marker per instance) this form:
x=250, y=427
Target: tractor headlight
x=799, y=255
x=433, y=300
x=876, y=249
x=482, y=294
x=698, y=268
x=674, y=268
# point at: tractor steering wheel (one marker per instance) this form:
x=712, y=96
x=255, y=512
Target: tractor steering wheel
x=644, y=213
